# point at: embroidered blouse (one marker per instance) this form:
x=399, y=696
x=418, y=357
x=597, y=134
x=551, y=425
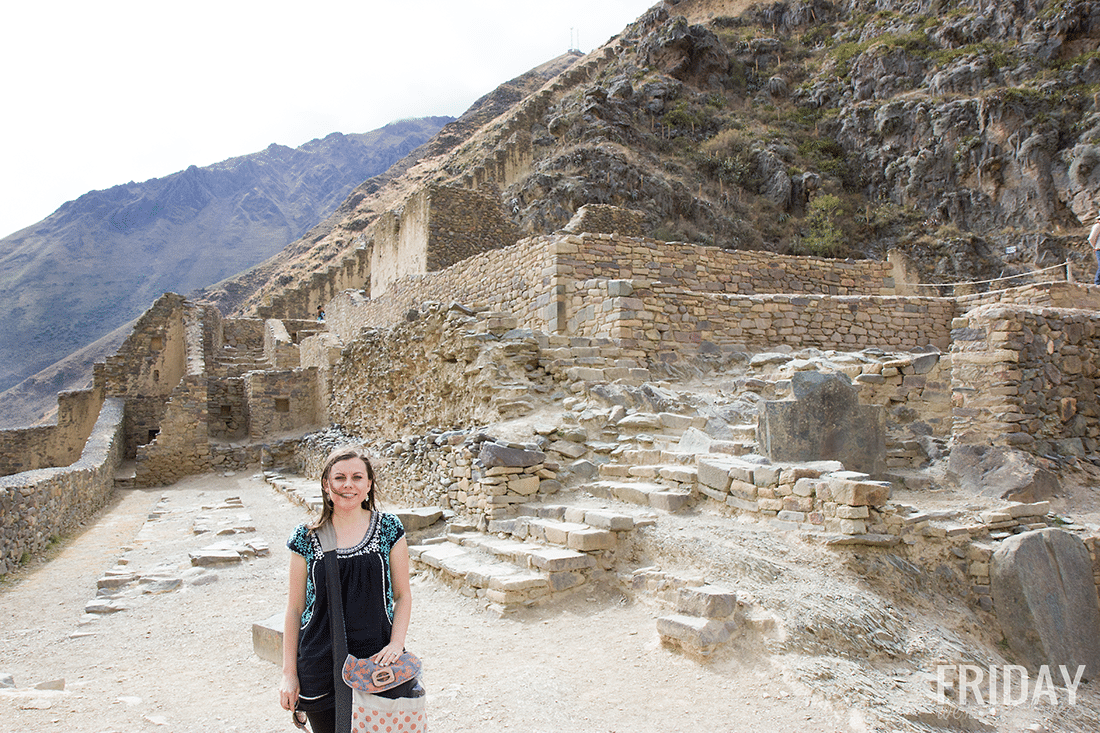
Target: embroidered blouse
x=367, y=592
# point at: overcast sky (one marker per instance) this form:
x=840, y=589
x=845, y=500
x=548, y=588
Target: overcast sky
x=99, y=94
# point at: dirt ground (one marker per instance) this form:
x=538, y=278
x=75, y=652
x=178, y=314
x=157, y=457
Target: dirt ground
x=182, y=660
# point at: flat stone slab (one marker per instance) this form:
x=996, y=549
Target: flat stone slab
x=103, y=606
x=870, y=540
x=207, y=557
x=418, y=517
x=697, y=634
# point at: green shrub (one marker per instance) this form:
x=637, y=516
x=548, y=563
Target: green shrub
x=824, y=237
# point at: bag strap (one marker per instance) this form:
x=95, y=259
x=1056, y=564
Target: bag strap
x=327, y=535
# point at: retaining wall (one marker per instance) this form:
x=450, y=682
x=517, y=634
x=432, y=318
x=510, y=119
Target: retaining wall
x=50, y=446
x=543, y=281
x=37, y=506
x=663, y=320
x=1027, y=378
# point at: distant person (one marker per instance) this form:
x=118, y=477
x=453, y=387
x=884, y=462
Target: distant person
x=373, y=559
x=320, y=314
x=1094, y=240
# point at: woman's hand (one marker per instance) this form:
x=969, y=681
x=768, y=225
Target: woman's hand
x=288, y=691
x=388, y=655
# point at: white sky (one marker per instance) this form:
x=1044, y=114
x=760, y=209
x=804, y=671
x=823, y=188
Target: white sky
x=95, y=94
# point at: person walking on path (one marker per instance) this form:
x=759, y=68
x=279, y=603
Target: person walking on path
x=373, y=558
x=1094, y=240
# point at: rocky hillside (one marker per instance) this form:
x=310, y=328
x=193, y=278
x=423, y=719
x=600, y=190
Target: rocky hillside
x=99, y=261
x=965, y=137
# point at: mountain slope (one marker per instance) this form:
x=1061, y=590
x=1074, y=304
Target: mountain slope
x=966, y=141
x=99, y=261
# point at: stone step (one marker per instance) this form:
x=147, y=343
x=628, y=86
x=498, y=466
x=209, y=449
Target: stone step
x=526, y=554
x=573, y=535
x=679, y=473
x=650, y=494
x=745, y=431
x=501, y=584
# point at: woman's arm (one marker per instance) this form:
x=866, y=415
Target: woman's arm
x=292, y=622
x=402, y=603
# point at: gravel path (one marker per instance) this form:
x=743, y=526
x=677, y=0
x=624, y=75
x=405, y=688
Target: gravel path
x=182, y=660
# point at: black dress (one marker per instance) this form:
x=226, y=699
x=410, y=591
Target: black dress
x=366, y=589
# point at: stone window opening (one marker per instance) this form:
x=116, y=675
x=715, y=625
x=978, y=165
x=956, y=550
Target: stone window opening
x=153, y=435
x=226, y=410
x=156, y=343
x=282, y=404
x=156, y=375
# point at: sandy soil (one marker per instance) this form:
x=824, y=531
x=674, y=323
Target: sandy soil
x=182, y=660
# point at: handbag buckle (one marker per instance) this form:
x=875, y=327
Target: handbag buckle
x=382, y=676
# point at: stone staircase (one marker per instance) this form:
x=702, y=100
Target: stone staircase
x=661, y=479
x=544, y=553
x=230, y=361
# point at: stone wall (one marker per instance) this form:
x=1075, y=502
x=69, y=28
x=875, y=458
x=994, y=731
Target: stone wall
x=703, y=269
x=148, y=366
x=1027, y=379
x=245, y=334
x=546, y=282
x=38, y=506
x=57, y=445
x=438, y=227
x=1039, y=295
x=181, y=446
x=227, y=409
x=605, y=219
x=351, y=272
x=515, y=278
x=665, y=320
x=281, y=401
x=280, y=351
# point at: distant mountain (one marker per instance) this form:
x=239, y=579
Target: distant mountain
x=101, y=260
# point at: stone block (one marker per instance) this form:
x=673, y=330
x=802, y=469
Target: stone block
x=558, y=559
x=859, y=493
x=590, y=539
x=696, y=634
x=708, y=601
x=494, y=454
x=267, y=639
x=565, y=581
x=683, y=475
x=843, y=511
x=524, y=486
x=608, y=520
x=766, y=475
x=1044, y=594
x=825, y=421
x=568, y=448
x=714, y=472
x=669, y=501
x=419, y=517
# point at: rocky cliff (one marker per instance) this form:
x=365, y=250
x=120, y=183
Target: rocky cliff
x=964, y=135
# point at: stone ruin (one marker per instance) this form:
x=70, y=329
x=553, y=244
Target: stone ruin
x=593, y=323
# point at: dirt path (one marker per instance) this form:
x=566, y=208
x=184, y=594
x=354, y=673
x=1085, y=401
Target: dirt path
x=182, y=660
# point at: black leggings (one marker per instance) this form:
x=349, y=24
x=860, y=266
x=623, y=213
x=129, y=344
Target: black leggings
x=322, y=721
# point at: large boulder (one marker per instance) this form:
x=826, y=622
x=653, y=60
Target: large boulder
x=1045, y=599
x=1005, y=473
x=690, y=53
x=824, y=422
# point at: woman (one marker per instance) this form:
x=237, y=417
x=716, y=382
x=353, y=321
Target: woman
x=373, y=558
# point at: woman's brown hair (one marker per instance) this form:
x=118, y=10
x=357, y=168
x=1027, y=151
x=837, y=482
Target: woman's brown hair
x=342, y=454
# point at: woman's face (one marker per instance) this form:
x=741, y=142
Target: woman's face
x=348, y=484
